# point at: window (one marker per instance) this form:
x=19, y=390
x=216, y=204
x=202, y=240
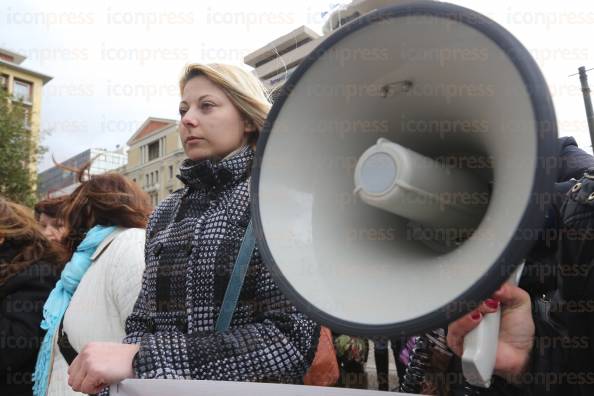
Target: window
x=153, y=150
x=26, y=116
x=156, y=176
x=154, y=198
x=3, y=81
x=147, y=180
x=22, y=90
x=152, y=178
x=170, y=171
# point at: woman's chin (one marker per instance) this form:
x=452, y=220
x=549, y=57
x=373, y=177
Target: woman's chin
x=197, y=154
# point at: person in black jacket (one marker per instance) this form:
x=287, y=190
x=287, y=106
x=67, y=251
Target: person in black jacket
x=559, y=335
x=29, y=268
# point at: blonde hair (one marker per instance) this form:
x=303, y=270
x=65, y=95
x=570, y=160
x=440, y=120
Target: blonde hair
x=242, y=88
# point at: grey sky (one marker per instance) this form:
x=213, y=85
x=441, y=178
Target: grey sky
x=115, y=63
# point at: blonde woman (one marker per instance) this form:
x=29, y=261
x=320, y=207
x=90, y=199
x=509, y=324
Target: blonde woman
x=193, y=239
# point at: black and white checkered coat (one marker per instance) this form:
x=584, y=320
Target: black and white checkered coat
x=193, y=238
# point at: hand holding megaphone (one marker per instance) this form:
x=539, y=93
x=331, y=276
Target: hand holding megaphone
x=516, y=330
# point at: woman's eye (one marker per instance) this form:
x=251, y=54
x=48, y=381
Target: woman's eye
x=182, y=112
x=206, y=105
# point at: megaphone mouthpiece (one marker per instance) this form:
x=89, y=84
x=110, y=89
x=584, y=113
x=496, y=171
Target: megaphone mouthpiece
x=399, y=180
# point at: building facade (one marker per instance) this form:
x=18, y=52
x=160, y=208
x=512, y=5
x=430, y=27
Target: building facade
x=356, y=8
x=274, y=63
x=56, y=181
x=277, y=60
x=154, y=156
x=25, y=88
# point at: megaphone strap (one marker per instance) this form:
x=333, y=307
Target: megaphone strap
x=236, y=281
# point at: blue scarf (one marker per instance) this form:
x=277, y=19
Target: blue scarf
x=60, y=297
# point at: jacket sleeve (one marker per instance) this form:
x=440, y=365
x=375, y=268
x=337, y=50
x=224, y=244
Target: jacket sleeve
x=137, y=323
x=279, y=346
x=21, y=308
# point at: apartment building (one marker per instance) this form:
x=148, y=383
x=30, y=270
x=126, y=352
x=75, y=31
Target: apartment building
x=154, y=156
x=25, y=89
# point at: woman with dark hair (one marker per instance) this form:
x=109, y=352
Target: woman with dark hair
x=103, y=221
x=29, y=268
x=46, y=214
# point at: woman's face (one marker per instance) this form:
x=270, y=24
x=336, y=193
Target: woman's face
x=50, y=228
x=211, y=127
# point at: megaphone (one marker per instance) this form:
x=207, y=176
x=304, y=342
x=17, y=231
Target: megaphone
x=399, y=178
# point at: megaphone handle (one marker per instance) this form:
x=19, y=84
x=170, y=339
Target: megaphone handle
x=480, y=348
x=480, y=345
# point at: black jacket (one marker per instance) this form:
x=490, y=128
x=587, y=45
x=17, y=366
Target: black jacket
x=560, y=280
x=540, y=273
x=21, y=304
x=193, y=238
x=572, y=304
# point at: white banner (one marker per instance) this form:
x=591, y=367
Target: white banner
x=159, y=387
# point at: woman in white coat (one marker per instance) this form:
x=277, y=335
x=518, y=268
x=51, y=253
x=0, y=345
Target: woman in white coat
x=104, y=221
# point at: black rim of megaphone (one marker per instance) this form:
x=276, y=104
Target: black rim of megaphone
x=531, y=220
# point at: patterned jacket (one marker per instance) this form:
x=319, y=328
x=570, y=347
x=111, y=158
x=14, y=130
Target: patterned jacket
x=193, y=238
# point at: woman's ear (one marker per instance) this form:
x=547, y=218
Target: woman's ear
x=249, y=126
x=1, y=240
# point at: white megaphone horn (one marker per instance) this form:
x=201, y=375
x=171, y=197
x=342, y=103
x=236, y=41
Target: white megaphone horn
x=397, y=180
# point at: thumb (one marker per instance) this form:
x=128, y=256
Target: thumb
x=512, y=296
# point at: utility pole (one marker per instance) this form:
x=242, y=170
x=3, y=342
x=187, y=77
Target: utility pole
x=587, y=101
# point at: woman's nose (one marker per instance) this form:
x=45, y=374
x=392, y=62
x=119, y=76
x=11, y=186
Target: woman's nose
x=189, y=119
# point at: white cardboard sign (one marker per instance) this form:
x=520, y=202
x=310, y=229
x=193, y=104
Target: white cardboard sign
x=161, y=387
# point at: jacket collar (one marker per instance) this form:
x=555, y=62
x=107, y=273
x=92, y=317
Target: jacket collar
x=208, y=173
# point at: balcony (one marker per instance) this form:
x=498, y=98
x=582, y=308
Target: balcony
x=152, y=187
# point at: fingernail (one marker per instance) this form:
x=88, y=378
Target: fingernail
x=492, y=303
x=475, y=316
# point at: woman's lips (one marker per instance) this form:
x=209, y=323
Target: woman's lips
x=193, y=139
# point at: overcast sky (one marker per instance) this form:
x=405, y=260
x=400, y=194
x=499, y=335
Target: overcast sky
x=115, y=63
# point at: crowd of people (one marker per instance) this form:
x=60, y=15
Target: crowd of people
x=96, y=287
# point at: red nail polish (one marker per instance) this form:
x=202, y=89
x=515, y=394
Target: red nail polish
x=492, y=303
x=475, y=316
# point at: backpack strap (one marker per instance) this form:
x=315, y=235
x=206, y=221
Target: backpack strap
x=66, y=349
x=236, y=281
